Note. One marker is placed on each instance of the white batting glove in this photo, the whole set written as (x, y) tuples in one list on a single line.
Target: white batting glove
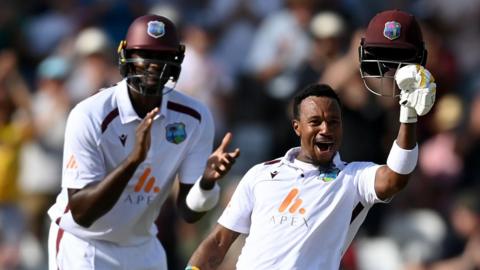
[(417, 94)]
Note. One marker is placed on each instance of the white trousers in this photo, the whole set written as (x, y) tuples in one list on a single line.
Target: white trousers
[(68, 252)]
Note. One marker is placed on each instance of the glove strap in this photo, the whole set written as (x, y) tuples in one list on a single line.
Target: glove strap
[(407, 115)]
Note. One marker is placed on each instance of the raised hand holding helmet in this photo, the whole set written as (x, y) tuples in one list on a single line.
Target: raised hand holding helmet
[(417, 94)]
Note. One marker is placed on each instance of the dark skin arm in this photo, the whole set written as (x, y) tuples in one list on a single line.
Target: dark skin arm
[(388, 182), (93, 201), (211, 252), (218, 165)]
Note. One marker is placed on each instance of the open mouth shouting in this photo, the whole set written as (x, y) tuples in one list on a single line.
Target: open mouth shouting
[(325, 146)]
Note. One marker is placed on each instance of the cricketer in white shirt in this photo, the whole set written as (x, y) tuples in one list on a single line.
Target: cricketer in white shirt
[(100, 134), (308, 216), (123, 149), (303, 210)]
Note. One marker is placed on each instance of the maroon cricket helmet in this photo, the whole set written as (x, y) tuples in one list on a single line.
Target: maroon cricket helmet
[(156, 34), (393, 29), (152, 32), (392, 39)]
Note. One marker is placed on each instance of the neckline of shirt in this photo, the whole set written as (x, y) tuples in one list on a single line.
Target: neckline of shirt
[(290, 159), (127, 112)]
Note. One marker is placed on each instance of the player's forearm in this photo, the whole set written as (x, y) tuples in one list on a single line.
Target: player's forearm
[(407, 137), (401, 161), (186, 213), (195, 200), (208, 256), (406, 140), (211, 252), (95, 200)]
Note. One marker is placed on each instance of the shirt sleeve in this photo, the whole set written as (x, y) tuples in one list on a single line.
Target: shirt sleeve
[(196, 158), (364, 181), (237, 214), (83, 160)]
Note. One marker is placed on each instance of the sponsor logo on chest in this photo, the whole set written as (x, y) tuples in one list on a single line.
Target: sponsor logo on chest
[(290, 212), (144, 190)]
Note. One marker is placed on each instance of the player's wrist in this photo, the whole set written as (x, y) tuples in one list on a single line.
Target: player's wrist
[(133, 160), (206, 184), (202, 200)]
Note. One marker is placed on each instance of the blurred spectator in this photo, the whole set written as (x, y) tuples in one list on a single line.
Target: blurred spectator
[(443, 64), (114, 16), (166, 10), (15, 129), (94, 66), (41, 158), (440, 60), (378, 253), (468, 145), (234, 23), (280, 46), (418, 233), (328, 30), (460, 22), (465, 220), (59, 21), (414, 237), (434, 188), (203, 78), (9, 20), (361, 11)]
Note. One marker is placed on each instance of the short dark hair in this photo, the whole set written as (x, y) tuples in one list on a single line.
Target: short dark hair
[(318, 90)]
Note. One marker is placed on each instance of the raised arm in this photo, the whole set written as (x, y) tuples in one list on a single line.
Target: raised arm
[(211, 252), (417, 98), (389, 182), (194, 201)]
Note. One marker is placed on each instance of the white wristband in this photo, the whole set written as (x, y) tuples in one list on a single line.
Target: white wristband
[(200, 200), (402, 161)]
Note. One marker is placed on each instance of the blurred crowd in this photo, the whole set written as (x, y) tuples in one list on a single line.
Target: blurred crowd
[(245, 59)]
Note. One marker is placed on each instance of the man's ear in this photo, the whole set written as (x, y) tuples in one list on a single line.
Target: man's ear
[(296, 126)]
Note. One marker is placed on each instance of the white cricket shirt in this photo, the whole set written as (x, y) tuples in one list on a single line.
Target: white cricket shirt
[(100, 134), (297, 217)]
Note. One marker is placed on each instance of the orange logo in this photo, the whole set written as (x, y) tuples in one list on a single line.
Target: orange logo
[(149, 185), (296, 204), (72, 163)]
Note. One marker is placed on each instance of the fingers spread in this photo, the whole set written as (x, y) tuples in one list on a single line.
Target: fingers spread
[(235, 154), (220, 162), (223, 165), (229, 158)]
